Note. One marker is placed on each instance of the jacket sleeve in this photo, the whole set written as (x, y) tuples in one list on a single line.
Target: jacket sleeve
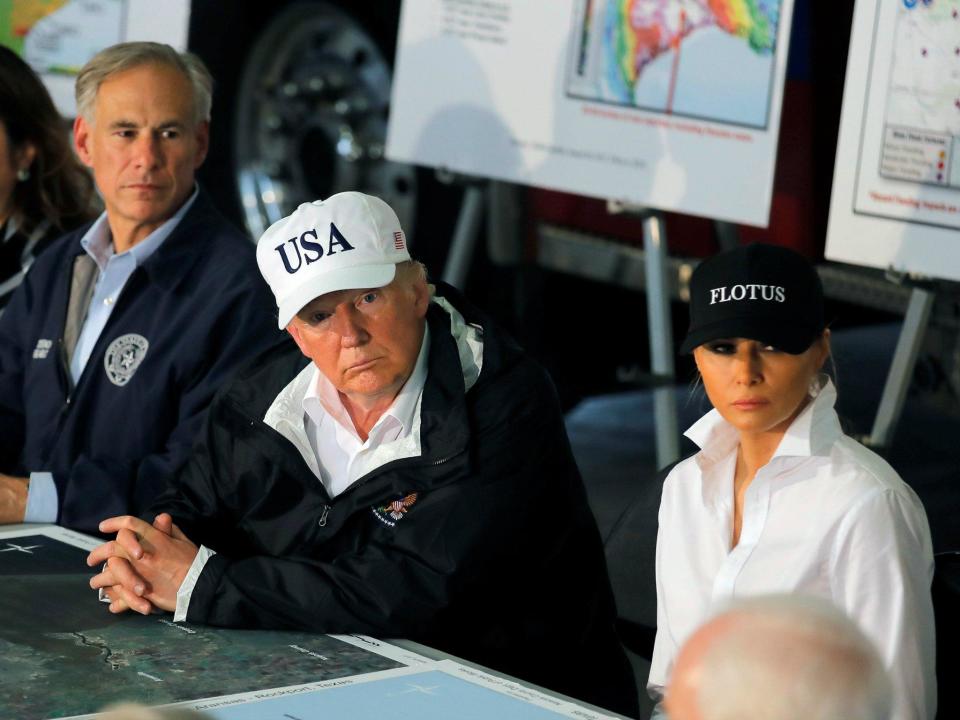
[(882, 568), (95, 488), (522, 483), (13, 357)]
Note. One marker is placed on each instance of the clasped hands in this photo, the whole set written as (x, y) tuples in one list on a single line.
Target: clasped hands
[(144, 566)]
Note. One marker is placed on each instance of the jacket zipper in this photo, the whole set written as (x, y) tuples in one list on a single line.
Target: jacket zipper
[(325, 514), (64, 367), (67, 381)]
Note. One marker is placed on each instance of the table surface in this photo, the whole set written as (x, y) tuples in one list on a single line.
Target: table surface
[(425, 651)]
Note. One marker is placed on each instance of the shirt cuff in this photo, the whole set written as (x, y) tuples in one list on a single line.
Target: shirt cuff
[(190, 581), (42, 499), (102, 592)]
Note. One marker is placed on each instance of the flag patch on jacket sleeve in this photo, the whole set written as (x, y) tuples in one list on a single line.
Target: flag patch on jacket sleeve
[(394, 511)]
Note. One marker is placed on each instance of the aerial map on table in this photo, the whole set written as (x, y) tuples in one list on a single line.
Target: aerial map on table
[(63, 654)]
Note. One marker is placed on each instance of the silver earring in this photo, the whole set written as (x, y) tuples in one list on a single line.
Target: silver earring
[(23, 174), (815, 386)]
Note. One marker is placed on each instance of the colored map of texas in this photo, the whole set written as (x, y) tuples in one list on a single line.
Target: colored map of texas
[(638, 31), (17, 18)]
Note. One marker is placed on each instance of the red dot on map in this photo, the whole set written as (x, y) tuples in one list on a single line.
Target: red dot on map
[(923, 52)]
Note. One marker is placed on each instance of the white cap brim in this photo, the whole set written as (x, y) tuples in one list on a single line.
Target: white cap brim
[(356, 278)]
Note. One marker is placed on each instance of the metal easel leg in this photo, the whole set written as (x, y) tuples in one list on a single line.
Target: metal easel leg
[(465, 236), (728, 236), (661, 338), (901, 369)]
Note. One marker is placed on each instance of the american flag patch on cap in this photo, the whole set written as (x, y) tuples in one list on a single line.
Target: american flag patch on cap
[(398, 240)]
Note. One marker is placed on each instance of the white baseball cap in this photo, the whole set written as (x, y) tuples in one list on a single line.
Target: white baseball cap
[(348, 241)]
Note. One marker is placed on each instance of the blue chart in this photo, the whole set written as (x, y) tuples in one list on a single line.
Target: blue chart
[(445, 690)]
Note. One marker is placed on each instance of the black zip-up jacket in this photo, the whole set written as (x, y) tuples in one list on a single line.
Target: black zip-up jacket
[(201, 309), (497, 559)]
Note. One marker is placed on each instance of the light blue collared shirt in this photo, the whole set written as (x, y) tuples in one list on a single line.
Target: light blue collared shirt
[(115, 270)]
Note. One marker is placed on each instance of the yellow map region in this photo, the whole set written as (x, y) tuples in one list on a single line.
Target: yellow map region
[(17, 18)]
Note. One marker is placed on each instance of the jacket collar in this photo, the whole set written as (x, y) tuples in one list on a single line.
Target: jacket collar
[(98, 243), (166, 267), (454, 366)]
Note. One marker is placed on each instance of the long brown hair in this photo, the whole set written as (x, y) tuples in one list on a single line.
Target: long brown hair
[(59, 188)]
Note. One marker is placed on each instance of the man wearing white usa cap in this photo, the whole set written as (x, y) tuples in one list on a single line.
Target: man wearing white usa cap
[(360, 319), (406, 473)]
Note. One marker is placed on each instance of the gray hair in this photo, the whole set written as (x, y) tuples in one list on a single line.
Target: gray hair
[(413, 272), (791, 657), (412, 269), (126, 56)]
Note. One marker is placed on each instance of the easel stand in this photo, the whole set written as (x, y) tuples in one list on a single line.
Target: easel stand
[(467, 231), (659, 327), (659, 330), (915, 323)]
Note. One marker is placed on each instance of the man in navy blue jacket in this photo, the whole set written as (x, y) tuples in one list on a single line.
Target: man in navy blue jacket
[(114, 345)]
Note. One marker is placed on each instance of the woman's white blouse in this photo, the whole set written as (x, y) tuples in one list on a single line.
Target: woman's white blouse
[(824, 517)]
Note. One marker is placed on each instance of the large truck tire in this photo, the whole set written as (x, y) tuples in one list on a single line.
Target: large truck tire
[(300, 112)]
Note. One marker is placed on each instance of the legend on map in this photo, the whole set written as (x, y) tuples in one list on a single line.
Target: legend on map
[(916, 155)]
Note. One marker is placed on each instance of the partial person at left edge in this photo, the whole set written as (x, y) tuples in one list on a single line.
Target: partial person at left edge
[(44, 190), (115, 343)]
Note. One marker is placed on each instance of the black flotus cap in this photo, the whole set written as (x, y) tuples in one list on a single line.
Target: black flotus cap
[(760, 292)]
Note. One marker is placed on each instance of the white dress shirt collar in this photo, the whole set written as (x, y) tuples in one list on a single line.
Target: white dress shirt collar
[(812, 432), (287, 414), (322, 399)]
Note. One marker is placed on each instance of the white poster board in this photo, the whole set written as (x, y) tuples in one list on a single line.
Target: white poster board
[(896, 186), (57, 37), (671, 104)]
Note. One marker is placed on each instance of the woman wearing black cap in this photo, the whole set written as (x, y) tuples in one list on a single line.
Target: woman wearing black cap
[(778, 498)]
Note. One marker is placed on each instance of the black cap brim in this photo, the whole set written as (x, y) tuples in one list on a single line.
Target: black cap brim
[(783, 335)]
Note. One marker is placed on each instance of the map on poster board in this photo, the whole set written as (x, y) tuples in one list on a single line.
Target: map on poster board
[(671, 104), (896, 190), (630, 53), (57, 37), (62, 654)]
